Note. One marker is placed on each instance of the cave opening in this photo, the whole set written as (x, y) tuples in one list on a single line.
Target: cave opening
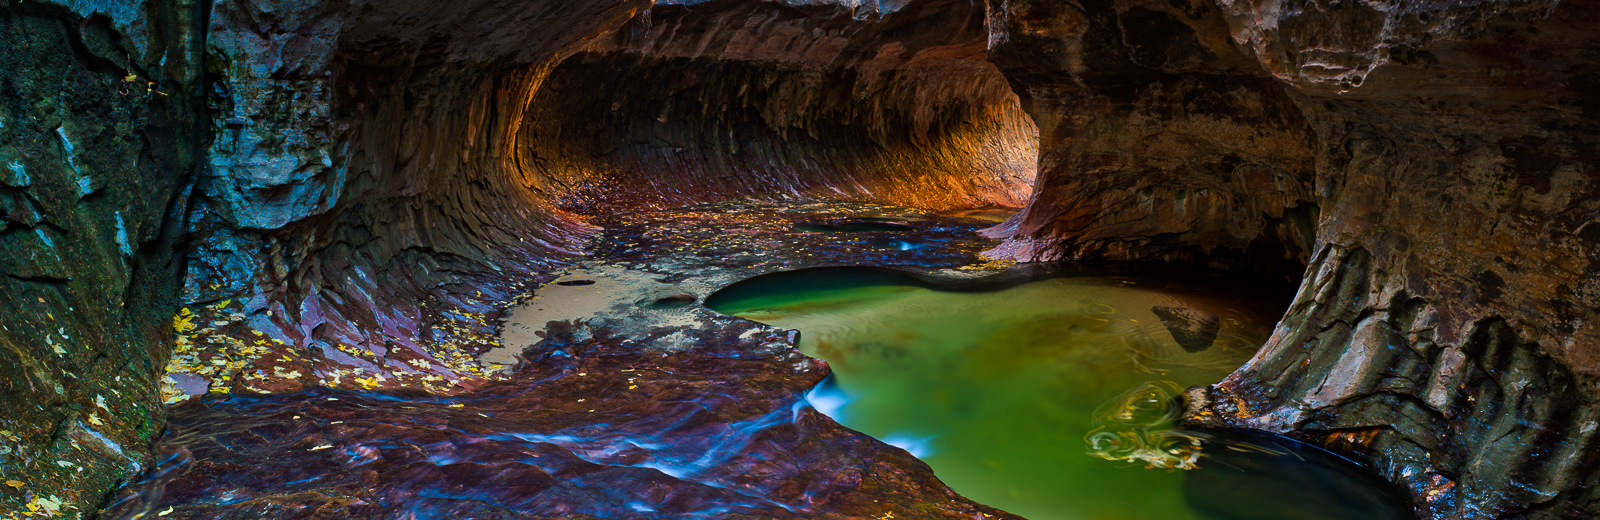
[(812, 104), (416, 259)]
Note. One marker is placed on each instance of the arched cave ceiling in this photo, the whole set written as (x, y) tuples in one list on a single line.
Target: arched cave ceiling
[(345, 172)]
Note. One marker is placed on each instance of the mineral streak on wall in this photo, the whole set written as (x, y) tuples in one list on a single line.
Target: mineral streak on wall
[(1433, 162)]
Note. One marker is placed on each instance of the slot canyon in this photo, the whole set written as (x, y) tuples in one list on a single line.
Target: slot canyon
[(496, 259)]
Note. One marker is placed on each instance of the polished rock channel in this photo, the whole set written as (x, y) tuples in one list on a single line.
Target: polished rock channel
[(619, 392)]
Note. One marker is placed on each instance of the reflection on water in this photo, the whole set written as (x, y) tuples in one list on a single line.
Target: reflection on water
[(1137, 426), (1020, 397), (990, 215), (868, 226)]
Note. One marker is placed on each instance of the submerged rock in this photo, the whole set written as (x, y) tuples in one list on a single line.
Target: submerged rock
[(1193, 329)]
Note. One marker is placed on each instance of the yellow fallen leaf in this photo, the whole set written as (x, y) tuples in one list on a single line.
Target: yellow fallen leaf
[(15, 483)]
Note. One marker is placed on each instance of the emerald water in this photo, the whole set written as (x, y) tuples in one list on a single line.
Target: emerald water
[(997, 390)]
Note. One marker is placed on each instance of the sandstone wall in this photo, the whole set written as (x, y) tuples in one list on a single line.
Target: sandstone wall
[(99, 117), (1440, 157), (386, 178), (365, 167), (761, 99), (363, 182), (1158, 139)]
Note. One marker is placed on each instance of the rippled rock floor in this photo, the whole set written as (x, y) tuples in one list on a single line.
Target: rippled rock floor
[(626, 408), (615, 392)]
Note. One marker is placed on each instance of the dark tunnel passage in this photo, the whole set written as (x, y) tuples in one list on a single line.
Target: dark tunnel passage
[(256, 256)]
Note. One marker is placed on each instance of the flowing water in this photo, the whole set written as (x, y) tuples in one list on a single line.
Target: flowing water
[(1049, 398)]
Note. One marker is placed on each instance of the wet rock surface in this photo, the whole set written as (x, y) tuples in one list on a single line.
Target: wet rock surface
[(377, 182), (1193, 329), (361, 206), (1431, 165), (607, 427), (628, 412), (99, 125)]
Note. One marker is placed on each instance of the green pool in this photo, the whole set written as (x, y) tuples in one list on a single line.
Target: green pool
[(1019, 396)]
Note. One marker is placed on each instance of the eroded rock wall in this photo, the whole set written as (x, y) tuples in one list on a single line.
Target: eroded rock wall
[(1458, 148), (1158, 138), (386, 178), (1437, 161), (365, 169), (380, 172), (765, 99), (381, 185), (355, 172), (99, 120)]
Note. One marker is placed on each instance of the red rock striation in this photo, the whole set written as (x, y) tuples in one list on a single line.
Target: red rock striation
[(636, 412), (605, 427), (374, 159), (762, 99)]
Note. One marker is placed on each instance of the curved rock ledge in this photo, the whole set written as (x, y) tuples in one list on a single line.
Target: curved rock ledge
[(732, 99), (1430, 163)]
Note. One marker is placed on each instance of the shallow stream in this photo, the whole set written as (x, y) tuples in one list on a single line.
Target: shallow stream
[(1041, 389), (1049, 398)]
